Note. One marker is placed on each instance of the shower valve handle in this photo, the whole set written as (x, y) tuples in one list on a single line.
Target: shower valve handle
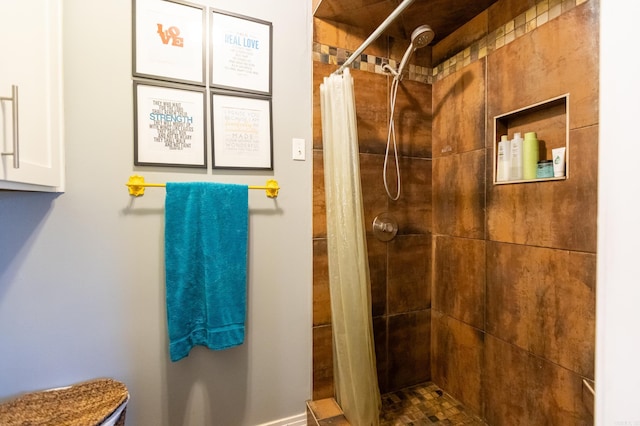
[(385, 227)]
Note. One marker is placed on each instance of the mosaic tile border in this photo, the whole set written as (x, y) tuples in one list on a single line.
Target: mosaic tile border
[(536, 16), (337, 56)]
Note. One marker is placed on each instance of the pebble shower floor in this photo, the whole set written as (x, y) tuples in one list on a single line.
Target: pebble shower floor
[(423, 405)]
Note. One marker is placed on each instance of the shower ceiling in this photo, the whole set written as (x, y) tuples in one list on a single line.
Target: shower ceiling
[(444, 16)]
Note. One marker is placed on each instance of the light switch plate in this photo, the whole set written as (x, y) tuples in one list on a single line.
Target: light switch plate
[(298, 149)]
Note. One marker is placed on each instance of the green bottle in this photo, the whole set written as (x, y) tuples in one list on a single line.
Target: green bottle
[(530, 156)]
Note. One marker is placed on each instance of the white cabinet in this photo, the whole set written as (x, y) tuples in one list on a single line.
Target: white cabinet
[(31, 60)]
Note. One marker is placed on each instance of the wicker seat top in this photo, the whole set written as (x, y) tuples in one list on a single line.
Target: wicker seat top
[(83, 404)]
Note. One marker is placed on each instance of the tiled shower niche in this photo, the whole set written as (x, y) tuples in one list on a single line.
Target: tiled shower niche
[(549, 119)]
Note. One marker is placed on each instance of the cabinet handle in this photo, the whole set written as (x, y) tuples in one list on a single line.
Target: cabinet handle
[(16, 138)]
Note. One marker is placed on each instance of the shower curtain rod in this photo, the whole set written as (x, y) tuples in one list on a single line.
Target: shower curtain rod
[(374, 35)]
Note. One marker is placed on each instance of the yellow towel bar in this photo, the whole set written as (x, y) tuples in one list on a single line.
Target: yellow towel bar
[(136, 185)]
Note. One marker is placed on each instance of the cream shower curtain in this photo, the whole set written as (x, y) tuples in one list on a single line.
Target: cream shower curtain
[(354, 355)]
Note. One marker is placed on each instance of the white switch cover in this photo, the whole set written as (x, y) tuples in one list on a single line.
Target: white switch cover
[(298, 150)]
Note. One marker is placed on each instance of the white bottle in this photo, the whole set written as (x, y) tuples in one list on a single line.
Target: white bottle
[(504, 159), (516, 157)]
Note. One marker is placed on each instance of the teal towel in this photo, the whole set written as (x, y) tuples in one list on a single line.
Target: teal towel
[(206, 226)]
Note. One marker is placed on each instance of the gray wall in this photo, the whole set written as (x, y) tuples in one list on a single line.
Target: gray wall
[(82, 273)]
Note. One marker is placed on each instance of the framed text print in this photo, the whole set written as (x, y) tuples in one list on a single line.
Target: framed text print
[(169, 125), (241, 134), (169, 41), (240, 53)]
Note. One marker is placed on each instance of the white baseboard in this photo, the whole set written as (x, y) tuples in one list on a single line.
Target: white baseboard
[(299, 420)]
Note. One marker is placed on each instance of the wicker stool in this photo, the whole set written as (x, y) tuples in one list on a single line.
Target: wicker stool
[(93, 403)]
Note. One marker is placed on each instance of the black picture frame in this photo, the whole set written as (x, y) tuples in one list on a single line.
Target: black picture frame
[(170, 127), (169, 41), (241, 53), (241, 131)]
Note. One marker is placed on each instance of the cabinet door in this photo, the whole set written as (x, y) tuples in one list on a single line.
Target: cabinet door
[(31, 57)]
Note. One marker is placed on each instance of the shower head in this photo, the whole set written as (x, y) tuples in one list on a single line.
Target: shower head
[(420, 37)]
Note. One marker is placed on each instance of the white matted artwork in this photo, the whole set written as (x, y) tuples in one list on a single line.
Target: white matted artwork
[(169, 125), (169, 41), (241, 133), (240, 53)]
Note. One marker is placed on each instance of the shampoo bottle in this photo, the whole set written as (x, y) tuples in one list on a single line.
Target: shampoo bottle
[(504, 159), (516, 157), (530, 155)]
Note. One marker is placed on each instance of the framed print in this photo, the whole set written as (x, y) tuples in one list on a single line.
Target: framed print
[(169, 40), (169, 125), (241, 134), (240, 53)]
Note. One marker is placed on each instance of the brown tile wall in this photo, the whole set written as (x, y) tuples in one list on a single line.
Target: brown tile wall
[(513, 321), (400, 269), (508, 324)]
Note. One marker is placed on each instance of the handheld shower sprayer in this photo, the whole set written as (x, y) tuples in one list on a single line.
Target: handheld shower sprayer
[(420, 37)]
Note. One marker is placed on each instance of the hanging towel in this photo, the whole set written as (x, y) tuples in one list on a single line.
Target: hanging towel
[(205, 265)]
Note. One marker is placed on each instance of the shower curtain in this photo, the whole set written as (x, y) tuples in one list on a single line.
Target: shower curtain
[(355, 377)]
